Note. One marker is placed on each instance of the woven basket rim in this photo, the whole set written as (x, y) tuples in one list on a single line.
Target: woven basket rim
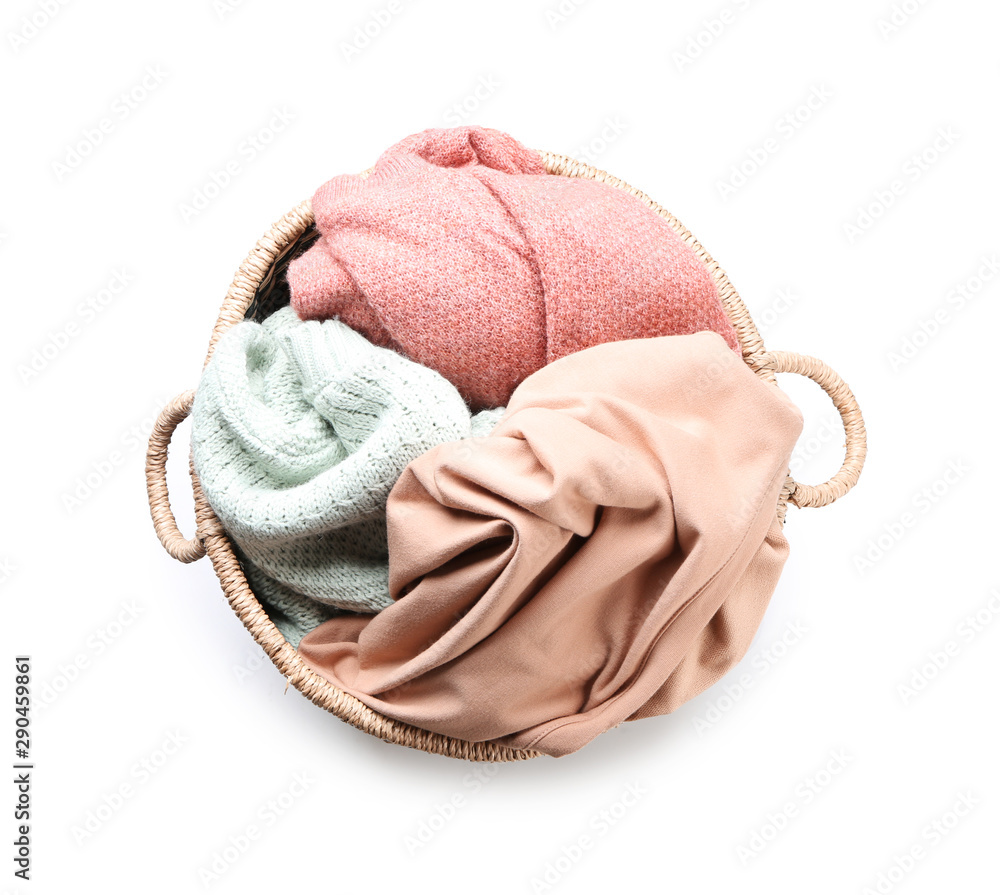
[(275, 243)]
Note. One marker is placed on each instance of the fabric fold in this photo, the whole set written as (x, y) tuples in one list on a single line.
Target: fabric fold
[(300, 431), (460, 251), (605, 554)]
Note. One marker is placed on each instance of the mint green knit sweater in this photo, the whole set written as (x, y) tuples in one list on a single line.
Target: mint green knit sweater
[(300, 430)]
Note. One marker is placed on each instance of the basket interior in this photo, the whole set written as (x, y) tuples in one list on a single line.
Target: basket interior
[(273, 292), (261, 288)]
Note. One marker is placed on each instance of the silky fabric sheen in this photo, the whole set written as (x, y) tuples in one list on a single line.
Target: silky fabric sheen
[(605, 554)]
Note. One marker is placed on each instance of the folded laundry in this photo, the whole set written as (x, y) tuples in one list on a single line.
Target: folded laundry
[(604, 555), (463, 253), (300, 430)]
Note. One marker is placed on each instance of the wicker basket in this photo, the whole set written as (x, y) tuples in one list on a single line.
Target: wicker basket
[(260, 288)]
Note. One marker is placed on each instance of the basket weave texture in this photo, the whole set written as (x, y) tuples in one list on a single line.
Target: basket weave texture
[(259, 288)]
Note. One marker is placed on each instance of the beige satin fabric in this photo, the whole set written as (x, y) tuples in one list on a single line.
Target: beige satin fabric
[(604, 555)]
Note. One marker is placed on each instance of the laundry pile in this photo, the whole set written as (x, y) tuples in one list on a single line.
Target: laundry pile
[(499, 470)]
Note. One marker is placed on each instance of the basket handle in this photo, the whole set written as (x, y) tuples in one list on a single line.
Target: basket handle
[(854, 427), (179, 547)]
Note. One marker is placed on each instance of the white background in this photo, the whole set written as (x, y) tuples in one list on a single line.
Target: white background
[(619, 85)]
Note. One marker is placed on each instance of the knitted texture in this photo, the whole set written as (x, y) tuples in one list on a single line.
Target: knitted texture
[(460, 251), (300, 430)]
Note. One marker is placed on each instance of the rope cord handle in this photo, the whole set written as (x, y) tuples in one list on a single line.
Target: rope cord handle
[(179, 547), (854, 427), (802, 495)]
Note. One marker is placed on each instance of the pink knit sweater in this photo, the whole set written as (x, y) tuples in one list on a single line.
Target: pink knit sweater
[(462, 253)]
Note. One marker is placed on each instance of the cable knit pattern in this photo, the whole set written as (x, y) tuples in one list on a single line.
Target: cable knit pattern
[(300, 430), (460, 251)]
